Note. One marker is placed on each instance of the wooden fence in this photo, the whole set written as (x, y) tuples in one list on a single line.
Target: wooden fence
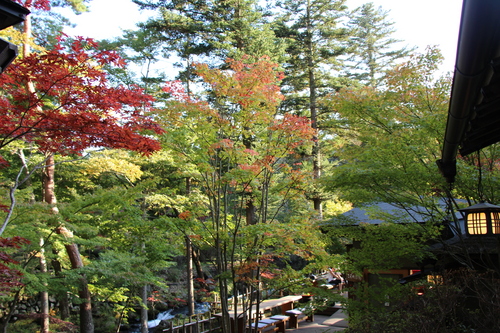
[(201, 323), (205, 322)]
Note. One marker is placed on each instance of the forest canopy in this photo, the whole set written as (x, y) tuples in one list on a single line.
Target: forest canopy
[(128, 187)]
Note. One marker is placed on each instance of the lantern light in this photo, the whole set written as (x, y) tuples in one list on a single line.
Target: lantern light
[(482, 219)]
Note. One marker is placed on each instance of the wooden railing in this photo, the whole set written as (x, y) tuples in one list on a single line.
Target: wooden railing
[(231, 302), (202, 323)]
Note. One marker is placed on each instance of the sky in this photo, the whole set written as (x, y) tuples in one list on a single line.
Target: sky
[(417, 23)]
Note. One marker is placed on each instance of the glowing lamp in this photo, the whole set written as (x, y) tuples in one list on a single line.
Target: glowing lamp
[(482, 219)]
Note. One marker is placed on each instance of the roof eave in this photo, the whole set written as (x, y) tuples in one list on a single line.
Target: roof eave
[(478, 45)]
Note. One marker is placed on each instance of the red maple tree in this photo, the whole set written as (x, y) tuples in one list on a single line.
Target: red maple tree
[(62, 101), (71, 105), (9, 277), (37, 4)]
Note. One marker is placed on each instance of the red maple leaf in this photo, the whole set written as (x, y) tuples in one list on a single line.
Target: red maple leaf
[(9, 276), (62, 101), (37, 4)]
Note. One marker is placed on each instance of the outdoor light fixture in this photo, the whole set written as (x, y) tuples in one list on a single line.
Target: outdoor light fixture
[(482, 219)]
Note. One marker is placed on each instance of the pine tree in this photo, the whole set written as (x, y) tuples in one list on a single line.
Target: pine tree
[(213, 29), (373, 49), (315, 43)]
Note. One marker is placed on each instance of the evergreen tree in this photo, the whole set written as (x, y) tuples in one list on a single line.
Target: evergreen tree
[(143, 50), (373, 49), (315, 43), (213, 30)]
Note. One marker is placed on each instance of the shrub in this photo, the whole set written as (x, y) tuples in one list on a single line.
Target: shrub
[(465, 301)]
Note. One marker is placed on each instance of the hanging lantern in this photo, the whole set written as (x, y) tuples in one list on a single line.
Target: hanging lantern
[(482, 219)]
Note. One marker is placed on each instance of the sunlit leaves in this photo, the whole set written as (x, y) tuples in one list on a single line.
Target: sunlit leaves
[(246, 155), (70, 106), (252, 86), (111, 162), (395, 134)]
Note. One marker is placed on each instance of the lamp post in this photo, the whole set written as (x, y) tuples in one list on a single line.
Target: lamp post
[(482, 219)]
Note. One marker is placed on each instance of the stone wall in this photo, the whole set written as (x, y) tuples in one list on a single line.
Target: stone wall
[(32, 305)]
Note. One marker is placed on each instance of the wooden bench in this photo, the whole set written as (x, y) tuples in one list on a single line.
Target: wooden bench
[(283, 318), (271, 324), (297, 316)]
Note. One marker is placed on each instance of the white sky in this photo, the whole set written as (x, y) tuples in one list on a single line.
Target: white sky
[(423, 23), (418, 23)]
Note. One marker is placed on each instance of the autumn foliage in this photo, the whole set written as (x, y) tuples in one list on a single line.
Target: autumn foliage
[(37, 4), (9, 277), (247, 154), (62, 101)]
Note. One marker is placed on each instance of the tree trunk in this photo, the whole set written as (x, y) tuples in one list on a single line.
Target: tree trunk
[(49, 197), (190, 286), (44, 295), (144, 298), (197, 263), (249, 201), (63, 297), (49, 185), (250, 211), (189, 259), (144, 309), (86, 320), (317, 201), (27, 32), (223, 289)]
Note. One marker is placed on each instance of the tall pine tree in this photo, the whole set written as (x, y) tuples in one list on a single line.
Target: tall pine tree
[(213, 30), (373, 49), (315, 43)]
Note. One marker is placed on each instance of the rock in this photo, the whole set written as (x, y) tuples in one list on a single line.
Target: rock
[(161, 306)]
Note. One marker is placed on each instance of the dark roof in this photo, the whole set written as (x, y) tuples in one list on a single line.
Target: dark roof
[(11, 13), (474, 109), (366, 214), (381, 212)]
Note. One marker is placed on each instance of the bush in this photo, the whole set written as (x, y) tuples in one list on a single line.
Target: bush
[(465, 301), (31, 323)]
